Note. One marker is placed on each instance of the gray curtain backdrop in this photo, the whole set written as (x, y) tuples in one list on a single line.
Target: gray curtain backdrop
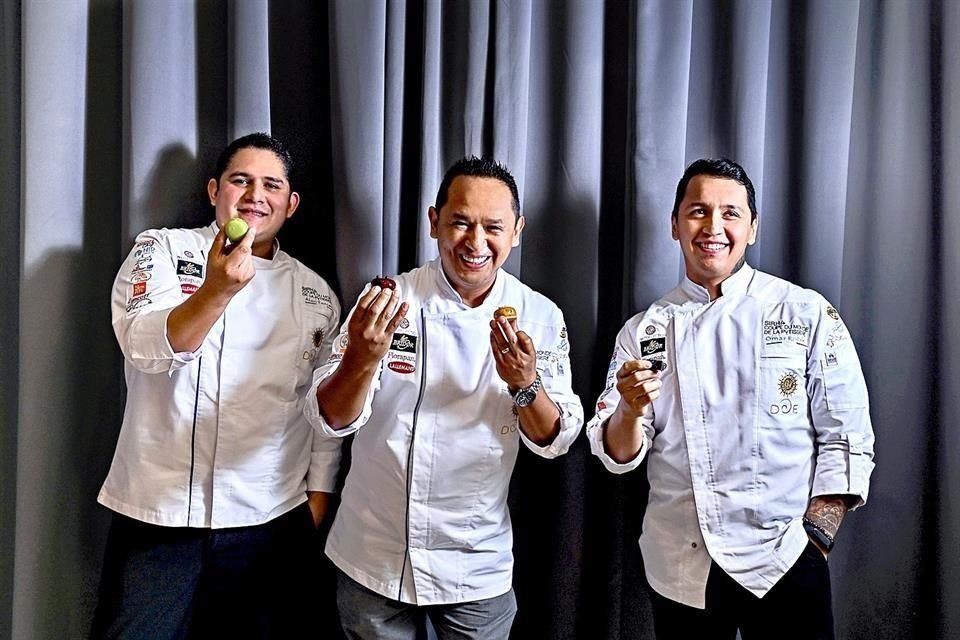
[(844, 112)]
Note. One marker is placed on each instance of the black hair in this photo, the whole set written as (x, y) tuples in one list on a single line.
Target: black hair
[(257, 141), (475, 167), (718, 168)]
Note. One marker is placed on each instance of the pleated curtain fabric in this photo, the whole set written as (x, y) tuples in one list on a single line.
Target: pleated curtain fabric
[(845, 113)]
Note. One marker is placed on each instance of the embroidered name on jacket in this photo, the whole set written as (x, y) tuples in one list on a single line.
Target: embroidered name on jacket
[(312, 296), (780, 331)]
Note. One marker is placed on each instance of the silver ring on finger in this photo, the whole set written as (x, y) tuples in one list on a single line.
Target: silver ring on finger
[(504, 351)]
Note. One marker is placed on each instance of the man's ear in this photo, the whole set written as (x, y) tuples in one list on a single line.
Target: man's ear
[(213, 188), (434, 216), (673, 228), (521, 223), (753, 231), (293, 203)]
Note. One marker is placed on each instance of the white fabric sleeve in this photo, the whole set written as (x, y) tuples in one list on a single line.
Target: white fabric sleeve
[(625, 349), (325, 453), (554, 369), (311, 408), (145, 291), (839, 410)]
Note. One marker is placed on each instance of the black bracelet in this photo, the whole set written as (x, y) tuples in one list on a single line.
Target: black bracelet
[(817, 526), (818, 533)]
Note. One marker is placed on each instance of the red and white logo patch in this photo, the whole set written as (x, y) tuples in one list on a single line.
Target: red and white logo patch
[(401, 367)]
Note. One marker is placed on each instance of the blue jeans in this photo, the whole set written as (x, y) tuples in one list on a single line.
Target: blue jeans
[(366, 615), (180, 582)]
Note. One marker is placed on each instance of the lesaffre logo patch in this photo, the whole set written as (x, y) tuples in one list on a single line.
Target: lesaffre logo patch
[(187, 268), (404, 342), (652, 346)]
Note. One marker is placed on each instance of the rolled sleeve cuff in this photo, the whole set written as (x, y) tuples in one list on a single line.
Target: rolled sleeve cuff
[(595, 437), (843, 468), (150, 348), (571, 420), (311, 410)]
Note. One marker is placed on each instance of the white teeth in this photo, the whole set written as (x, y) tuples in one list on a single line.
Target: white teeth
[(713, 246), (475, 260)]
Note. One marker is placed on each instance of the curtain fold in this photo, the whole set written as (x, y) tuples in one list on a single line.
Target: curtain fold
[(891, 280), (10, 115), (161, 119), (357, 57), (248, 49), (945, 22), (48, 565), (844, 113)]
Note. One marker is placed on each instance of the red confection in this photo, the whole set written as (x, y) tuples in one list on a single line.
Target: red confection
[(383, 282)]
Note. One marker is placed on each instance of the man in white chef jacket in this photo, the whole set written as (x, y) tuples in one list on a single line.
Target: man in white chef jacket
[(744, 393), (218, 480), (440, 395)]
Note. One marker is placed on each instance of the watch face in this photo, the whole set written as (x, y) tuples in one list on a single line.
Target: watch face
[(525, 397)]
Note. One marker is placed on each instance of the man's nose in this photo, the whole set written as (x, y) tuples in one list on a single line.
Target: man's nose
[(714, 224), (255, 191), (476, 237)]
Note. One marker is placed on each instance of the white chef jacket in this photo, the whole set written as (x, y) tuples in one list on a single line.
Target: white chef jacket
[(763, 406), (424, 516), (216, 438)]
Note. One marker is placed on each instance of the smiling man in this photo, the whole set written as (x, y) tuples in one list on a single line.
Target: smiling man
[(440, 393), (745, 394), (218, 481)]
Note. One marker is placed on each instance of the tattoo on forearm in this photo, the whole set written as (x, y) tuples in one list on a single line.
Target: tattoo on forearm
[(827, 512)]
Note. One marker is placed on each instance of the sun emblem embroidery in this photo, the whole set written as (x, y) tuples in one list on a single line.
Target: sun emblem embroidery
[(788, 385), (318, 337)]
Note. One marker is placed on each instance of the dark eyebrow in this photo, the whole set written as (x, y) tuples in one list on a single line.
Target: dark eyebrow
[(244, 174), (693, 205), (461, 217)]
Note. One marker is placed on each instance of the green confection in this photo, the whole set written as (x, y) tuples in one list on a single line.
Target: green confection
[(236, 229)]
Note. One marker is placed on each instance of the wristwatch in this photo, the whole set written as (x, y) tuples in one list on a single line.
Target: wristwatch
[(818, 534), (525, 397)]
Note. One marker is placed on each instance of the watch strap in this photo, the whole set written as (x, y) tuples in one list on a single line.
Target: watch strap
[(531, 390), (818, 533)]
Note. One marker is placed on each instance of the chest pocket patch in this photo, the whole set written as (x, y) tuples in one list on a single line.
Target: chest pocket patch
[(783, 382)]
